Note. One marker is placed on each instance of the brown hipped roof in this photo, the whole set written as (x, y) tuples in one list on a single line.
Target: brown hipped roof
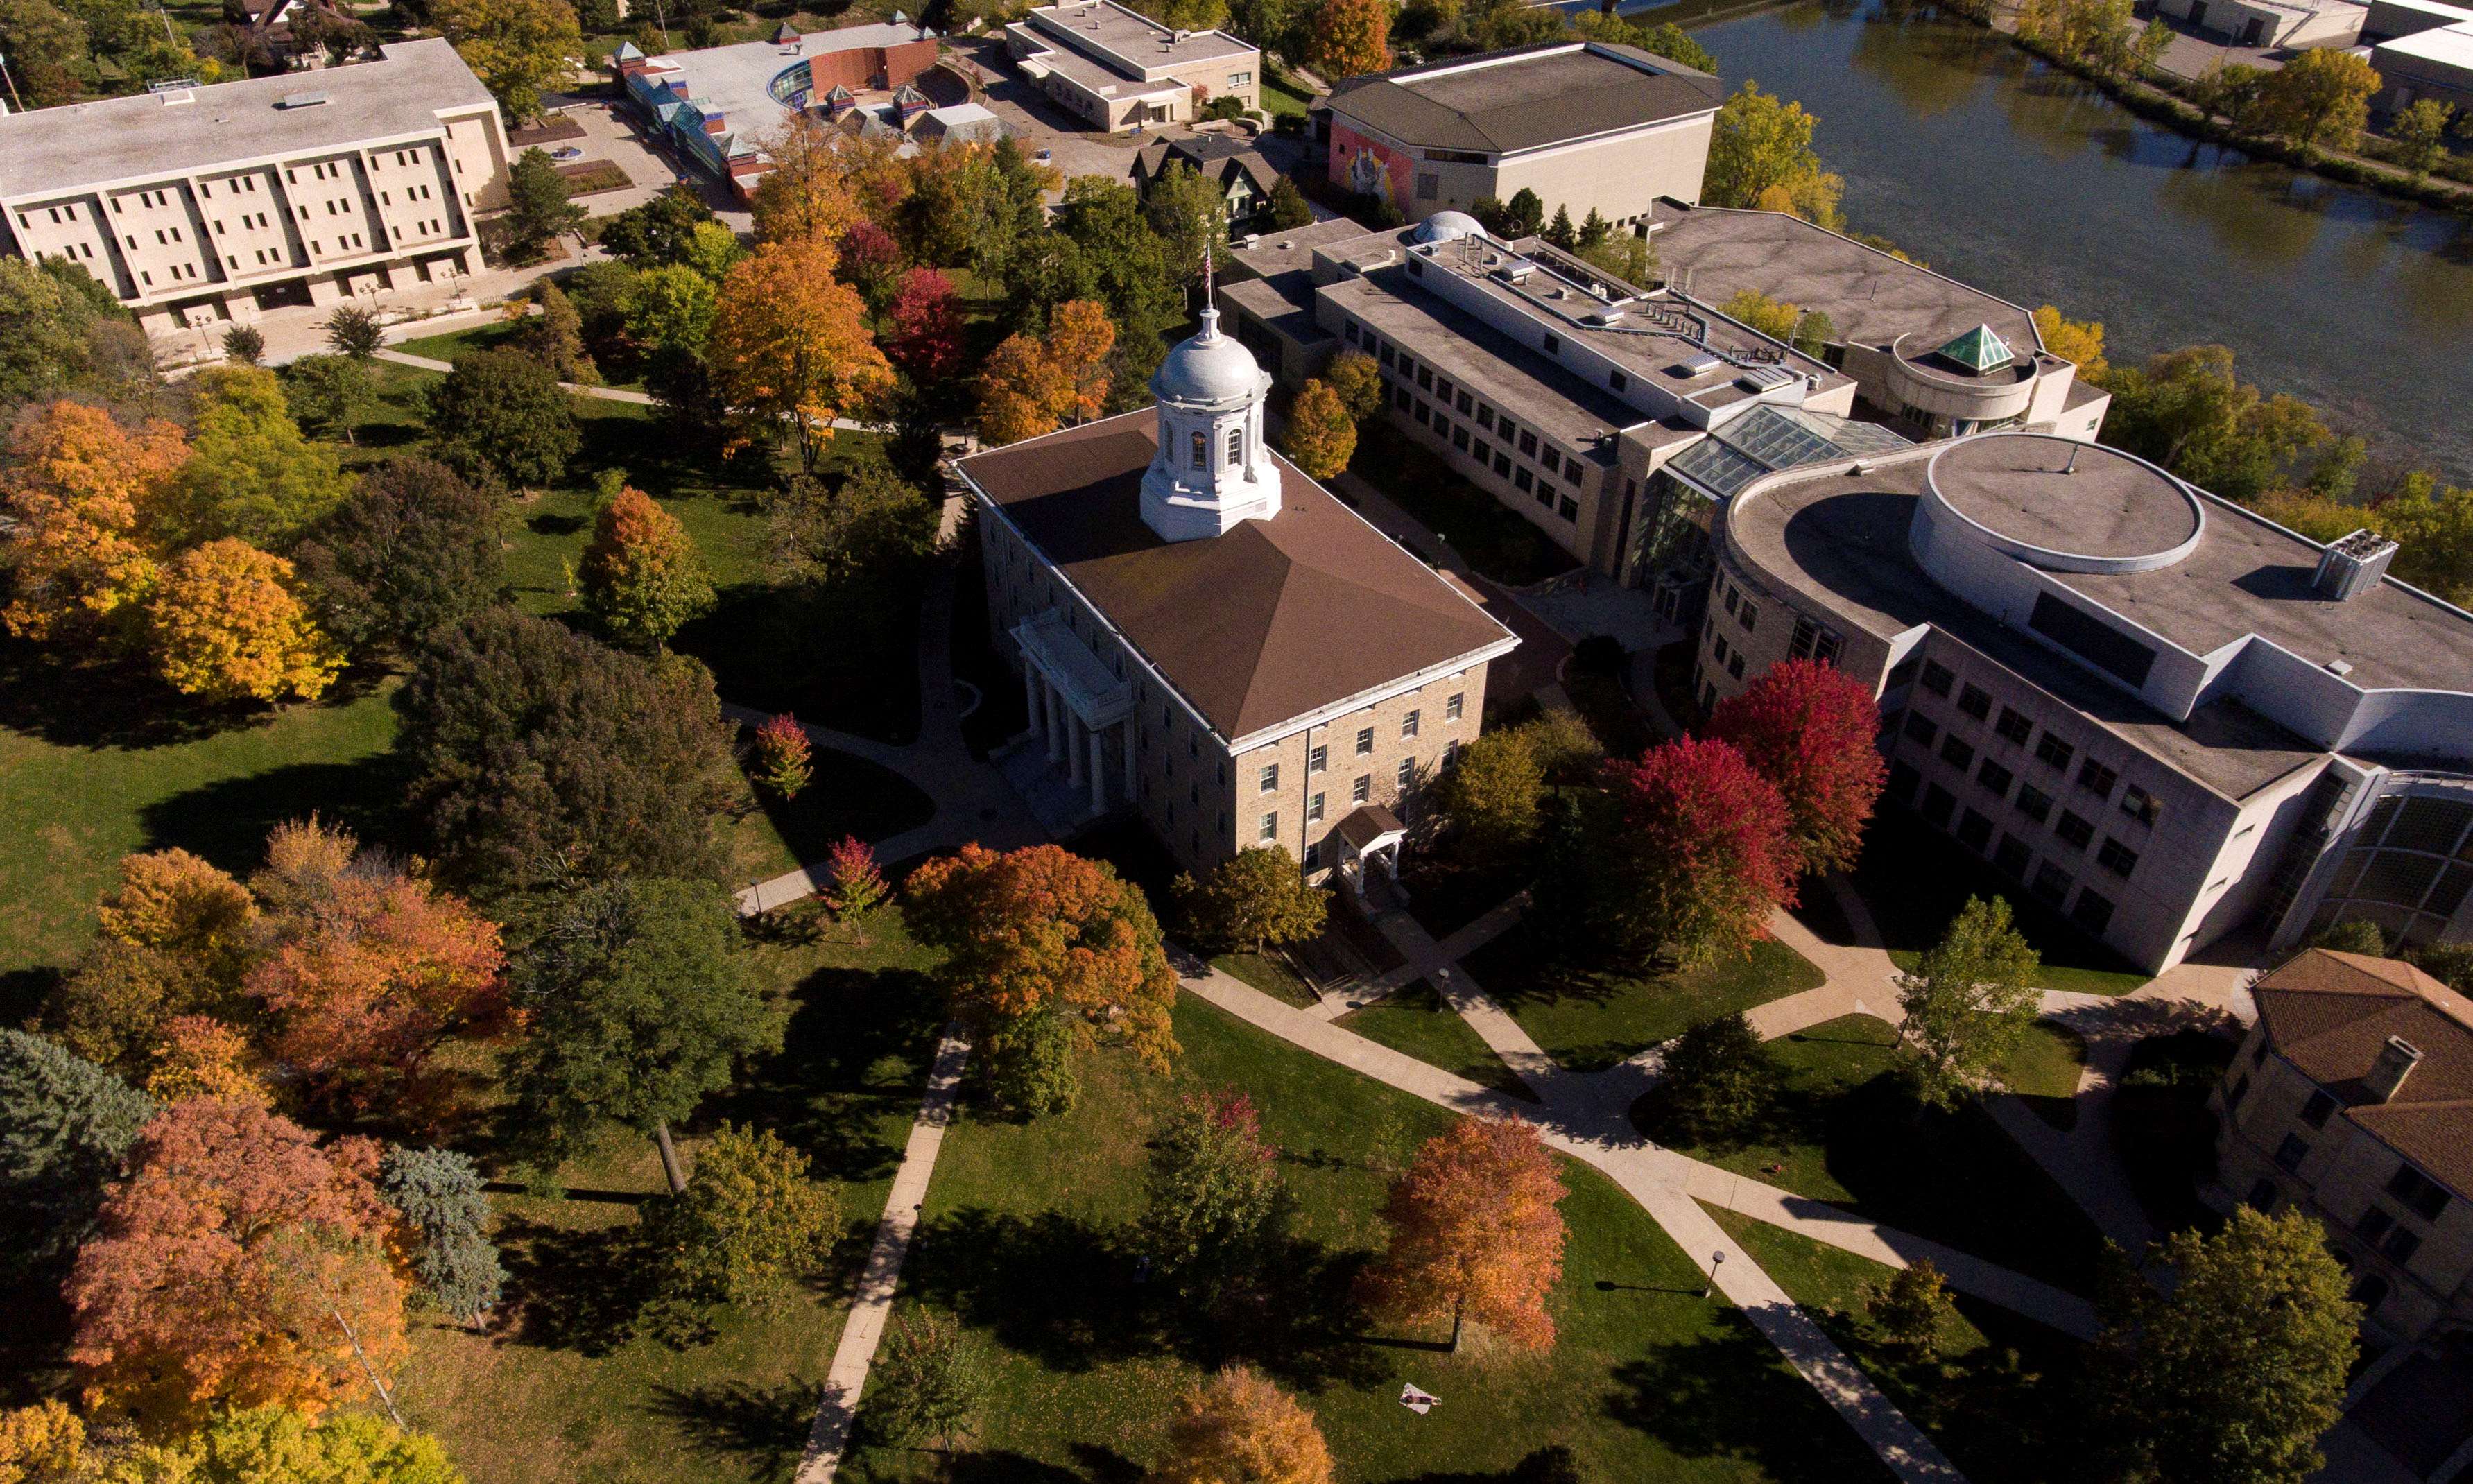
[(1273, 620), (2329, 1014)]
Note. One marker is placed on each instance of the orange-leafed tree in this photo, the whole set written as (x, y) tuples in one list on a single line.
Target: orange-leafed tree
[(1808, 728), (1042, 928), (175, 938), (1022, 393), (790, 343), (1320, 437), (176, 902), (198, 1056), (1239, 1428), (239, 1264), (224, 624), (372, 970), (642, 578), (83, 496), (1080, 337), (810, 194), (1475, 1233), (1350, 38)]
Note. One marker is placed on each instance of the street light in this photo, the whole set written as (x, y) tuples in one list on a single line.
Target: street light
[(1717, 1261)]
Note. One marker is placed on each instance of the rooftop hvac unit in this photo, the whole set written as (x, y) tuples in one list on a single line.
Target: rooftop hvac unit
[(2353, 564), (291, 101)]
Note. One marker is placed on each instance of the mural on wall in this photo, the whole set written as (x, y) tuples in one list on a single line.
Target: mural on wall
[(1368, 167)]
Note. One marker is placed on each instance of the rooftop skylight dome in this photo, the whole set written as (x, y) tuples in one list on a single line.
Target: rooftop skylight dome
[(1449, 226), (1979, 350)]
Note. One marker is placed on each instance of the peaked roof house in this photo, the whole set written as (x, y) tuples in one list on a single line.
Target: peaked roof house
[(1245, 178)]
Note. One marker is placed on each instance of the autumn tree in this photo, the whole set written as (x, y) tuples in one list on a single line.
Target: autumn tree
[(2078, 342), (928, 1382), (2431, 523), (412, 549), (520, 48), (925, 327), (503, 412), (542, 759), (751, 1226), (1703, 854), (1218, 1206), (1320, 437), (642, 577), (1350, 38), (1719, 1080), (238, 1264), (641, 1003), (785, 758), (372, 969), (854, 886), (85, 500), (1358, 382), (2321, 96), (2229, 1371), (1475, 1233), (1237, 1425), (1808, 728), (811, 194), (1760, 156), (554, 336), (1254, 897), (1081, 338), (1039, 927), (790, 344), (1968, 1003), (1104, 250), (437, 1194), (1029, 387), (1909, 1305), (198, 1056), (225, 622), (174, 937), (66, 1127), (43, 1444), (286, 1444)]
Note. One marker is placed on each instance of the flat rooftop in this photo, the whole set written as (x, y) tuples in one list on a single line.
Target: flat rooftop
[(1106, 28), (1527, 98), (2059, 496), (1869, 295), (2450, 46), (1278, 251), (737, 80), (1842, 539), (143, 137)]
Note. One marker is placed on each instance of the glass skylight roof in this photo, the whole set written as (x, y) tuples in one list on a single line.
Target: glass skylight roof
[(1768, 439)]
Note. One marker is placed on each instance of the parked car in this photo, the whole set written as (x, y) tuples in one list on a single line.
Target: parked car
[(566, 152)]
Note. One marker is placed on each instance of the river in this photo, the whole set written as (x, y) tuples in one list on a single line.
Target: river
[(1978, 158)]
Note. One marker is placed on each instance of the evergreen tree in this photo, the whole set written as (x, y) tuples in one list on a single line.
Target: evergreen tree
[(503, 412), (1720, 1081), (66, 1127), (412, 549), (438, 1193)]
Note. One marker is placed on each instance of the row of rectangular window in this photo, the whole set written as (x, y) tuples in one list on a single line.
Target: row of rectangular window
[(2034, 802), (2015, 727), (2051, 882)]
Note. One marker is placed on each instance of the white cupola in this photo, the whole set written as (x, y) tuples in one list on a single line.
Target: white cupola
[(1213, 469)]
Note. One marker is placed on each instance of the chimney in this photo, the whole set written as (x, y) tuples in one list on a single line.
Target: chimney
[(2396, 1061), (2352, 564)]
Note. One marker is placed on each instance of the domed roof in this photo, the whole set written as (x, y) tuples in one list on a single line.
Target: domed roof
[(1211, 367), (1448, 226)]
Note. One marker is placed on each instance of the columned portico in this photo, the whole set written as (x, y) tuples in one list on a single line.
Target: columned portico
[(1075, 700)]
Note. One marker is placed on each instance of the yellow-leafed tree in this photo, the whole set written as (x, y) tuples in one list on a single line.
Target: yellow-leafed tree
[(84, 495), (1239, 1428), (790, 343), (226, 625), (1320, 437)]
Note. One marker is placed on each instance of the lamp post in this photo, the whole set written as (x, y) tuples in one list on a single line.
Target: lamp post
[(1717, 1261)]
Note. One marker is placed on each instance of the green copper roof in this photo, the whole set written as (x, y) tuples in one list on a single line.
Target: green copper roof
[(1978, 350)]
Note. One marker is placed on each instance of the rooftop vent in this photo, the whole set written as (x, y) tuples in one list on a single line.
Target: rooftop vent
[(301, 100), (173, 86), (2352, 565), (1699, 364), (2340, 667), (1604, 317), (2385, 1077), (1516, 271)]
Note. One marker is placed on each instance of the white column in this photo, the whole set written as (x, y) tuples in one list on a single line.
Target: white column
[(1055, 720), (1098, 770), (1073, 747), (1133, 788), (1036, 702)]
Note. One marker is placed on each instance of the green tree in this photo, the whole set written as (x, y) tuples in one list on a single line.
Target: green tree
[(58, 337), (2228, 1372), (517, 47), (1625, 257), (1559, 232), (670, 308), (1911, 1306), (2420, 130), (244, 345), (66, 1127), (543, 760), (1968, 1001), (537, 207), (2321, 96), (333, 393), (352, 330), (1491, 795), (47, 50), (1665, 40), (1190, 212), (1289, 209), (2187, 411), (413, 548), (1720, 1081), (1218, 1208), (1761, 143), (250, 473), (876, 523), (661, 231), (642, 1003), (1525, 214), (555, 336), (1117, 258), (928, 1383), (2232, 90), (503, 412), (1358, 381), (1319, 437), (2360, 935), (1255, 897), (752, 1225), (438, 1193), (642, 577), (1032, 1063)]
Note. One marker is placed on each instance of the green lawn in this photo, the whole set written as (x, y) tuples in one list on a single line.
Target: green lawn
[(559, 1391), (1588, 1019), (1271, 975), (1280, 97), (1416, 1020), (1027, 1236), (1996, 1394), (453, 344), (1914, 878), (847, 796), (2045, 1070), (1492, 539), (1846, 1132)]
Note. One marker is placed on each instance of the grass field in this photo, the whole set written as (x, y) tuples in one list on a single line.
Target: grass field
[(1590, 1019), (1846, 1132), (1269, 974), (1996, 1392), (1914, 878), (1416, 1020), (1027, 1236)]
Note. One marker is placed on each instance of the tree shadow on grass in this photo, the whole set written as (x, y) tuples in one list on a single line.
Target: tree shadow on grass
[(1728, 1396), (580, 1291), (227, 821), (857, 1048), (764, 1427), (46, 695)]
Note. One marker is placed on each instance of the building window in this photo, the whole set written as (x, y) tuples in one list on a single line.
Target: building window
[(1994, 778), (1569, 509), (1364, 740), (1937, 804), (2290, 1153), (1408, 725), (2401, 1245), (1317, 757), (1956, 752), (1313, 856), (2262, 1196), (2139, 805), (2034, 803), (2054, 752), (2240, 1090), (1920, 728), (1408, 774), (1749, 614), (1974, 831), (1553, 343), (1938, 677), (1481, 450), (2421, 1195), (1553, 461), (2013, 727), (2012, 856), (1428, 186), (1270, 778), (1313, 811), (1450, 754), (1201, 451), (1235, 445), (1903, 779), (2051, 883), (1502, 464), (1363, 789), (2116, 857), (1974, 702), (2315, 1113), (2093, 912), (1485, 416), (1454, 707), (2097, 779), (1271, 825), (1618, 381), (2073, 829)]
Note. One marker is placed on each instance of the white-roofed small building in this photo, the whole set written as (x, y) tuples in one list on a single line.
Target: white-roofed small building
[(2437, 62), (198, 205), (1118, 69)]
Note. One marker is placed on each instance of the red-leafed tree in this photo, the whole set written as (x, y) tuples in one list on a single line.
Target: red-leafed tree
[(1808, 728), (785, 761), (1702, 855), (1039, 927), (238, 1264), (925, 327), (853, 885), (870, 259), (1475, 1233)]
